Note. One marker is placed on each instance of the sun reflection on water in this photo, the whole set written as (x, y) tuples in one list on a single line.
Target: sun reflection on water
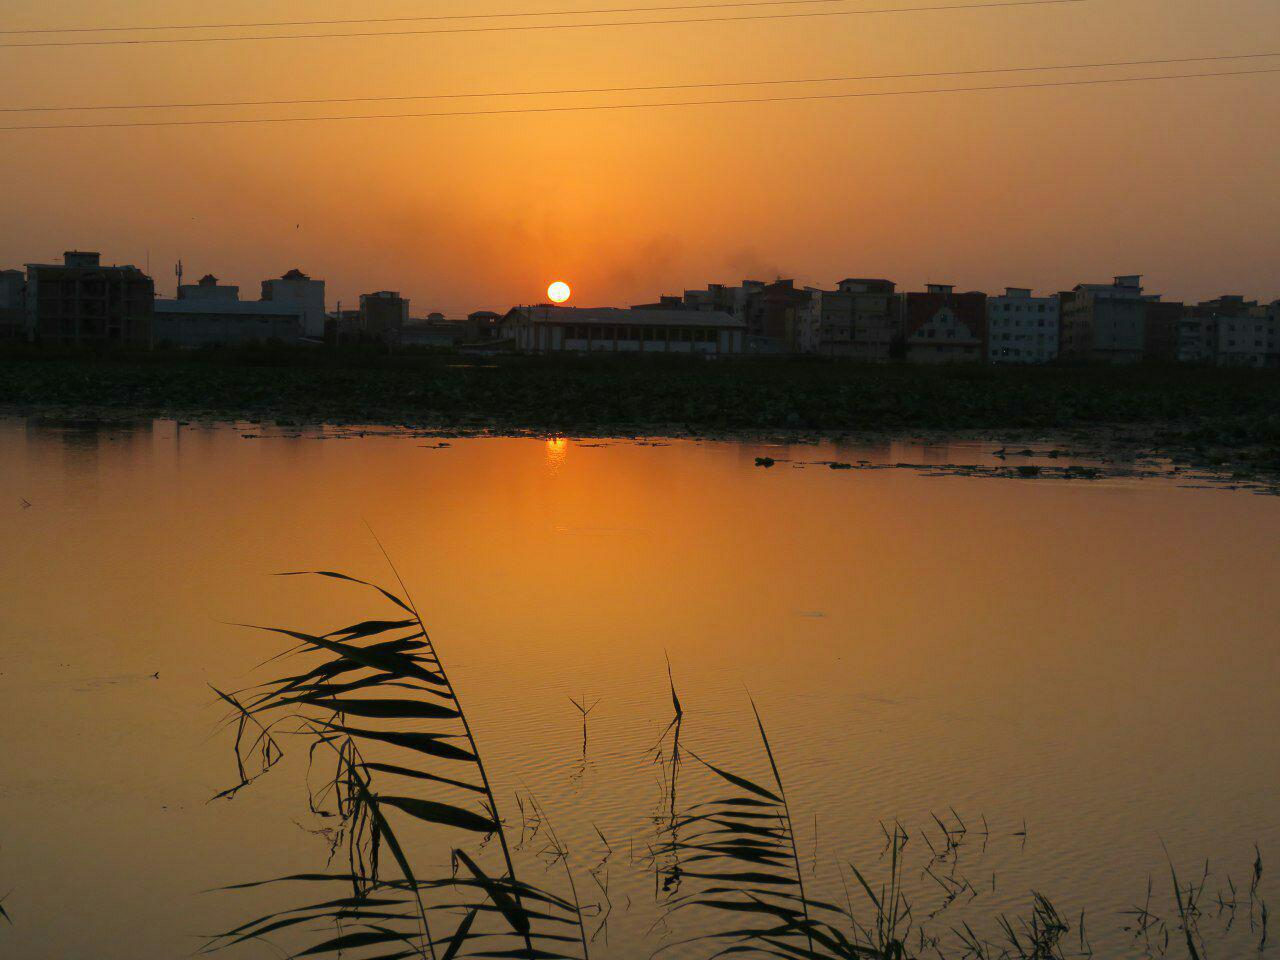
[(557, 448)]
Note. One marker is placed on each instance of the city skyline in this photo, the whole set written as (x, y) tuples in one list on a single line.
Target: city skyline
[(1041, 187)]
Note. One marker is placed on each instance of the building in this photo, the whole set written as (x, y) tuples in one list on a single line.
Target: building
[(342, 326), (547, 329), (1160, 330), (1246, 334), (437, 330), (210, 312), (1198, 335), (383, 315), (942, 326), (716, 298), (826, 323), (770, 311), (859, 319), (719, 298), (877, 318), (209, 289), (772, 315), (1022, 328), (486, 324), (80, 300), (12, 316), (295, 287), (1105, 321)]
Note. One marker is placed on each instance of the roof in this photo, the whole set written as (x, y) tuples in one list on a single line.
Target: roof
[(96, 268), (619, 316)]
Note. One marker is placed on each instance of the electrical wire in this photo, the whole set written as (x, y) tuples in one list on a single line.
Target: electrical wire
[(506, 111), (140, 28), (527, 27), (1166, 61)]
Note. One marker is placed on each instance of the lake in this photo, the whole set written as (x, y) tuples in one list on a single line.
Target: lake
[(1070, 674)]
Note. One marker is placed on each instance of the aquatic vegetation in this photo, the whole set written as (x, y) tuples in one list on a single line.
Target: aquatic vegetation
[(374, 707), (361, 704), (739, 853), (738, 856), (1185, 407)]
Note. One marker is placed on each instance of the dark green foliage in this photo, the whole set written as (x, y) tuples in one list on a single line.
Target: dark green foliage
[(1192, 406)]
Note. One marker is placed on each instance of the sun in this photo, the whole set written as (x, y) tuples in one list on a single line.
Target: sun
[(559, 292)]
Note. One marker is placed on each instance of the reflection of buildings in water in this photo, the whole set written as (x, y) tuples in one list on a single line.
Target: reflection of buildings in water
[(557, 449), (82, 442), (934, 454), (915, 451), (878, 452)]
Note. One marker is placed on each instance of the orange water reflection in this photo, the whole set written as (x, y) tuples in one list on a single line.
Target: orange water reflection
[(1014, 649)]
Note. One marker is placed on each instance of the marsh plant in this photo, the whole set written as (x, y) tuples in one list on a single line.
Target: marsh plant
[(374, 708), (394, 766)]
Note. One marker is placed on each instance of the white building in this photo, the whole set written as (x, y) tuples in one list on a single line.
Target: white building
[(1251, 340), (1106, 321), (730, 300), (547, 329), (858, 319), (296, 287), (1022, 328), (209, 312)]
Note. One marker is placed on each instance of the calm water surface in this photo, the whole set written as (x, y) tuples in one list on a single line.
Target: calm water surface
[(1095, 663)]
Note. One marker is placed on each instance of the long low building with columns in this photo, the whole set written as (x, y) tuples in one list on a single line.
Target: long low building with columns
[(548, 329)]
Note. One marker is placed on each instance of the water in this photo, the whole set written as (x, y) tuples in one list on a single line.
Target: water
[(1093, 662)]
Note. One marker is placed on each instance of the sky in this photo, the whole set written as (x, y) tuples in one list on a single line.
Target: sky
[(1036, 187)]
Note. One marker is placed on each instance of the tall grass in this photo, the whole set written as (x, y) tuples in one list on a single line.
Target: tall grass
[(375, 707), (377, 713)]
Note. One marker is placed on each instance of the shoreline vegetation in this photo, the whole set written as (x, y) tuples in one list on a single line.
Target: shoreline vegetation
[(398, 773), (1224, 419)]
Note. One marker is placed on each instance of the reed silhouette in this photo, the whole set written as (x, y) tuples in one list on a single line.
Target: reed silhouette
[(360, 704), (377, 713)]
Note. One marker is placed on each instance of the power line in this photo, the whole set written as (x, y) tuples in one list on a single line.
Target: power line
[(525, 27), (644, 106), (646, 89), (139, 28)]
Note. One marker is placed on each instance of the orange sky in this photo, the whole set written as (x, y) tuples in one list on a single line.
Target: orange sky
[(1036, 187)]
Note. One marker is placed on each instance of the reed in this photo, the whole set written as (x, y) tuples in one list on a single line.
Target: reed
[(375, 701), (379, 715)]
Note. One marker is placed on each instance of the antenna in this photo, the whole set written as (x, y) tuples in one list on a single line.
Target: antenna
[(177, 271)]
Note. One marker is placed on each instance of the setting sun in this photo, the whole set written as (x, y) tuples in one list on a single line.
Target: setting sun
[(559, 292)]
